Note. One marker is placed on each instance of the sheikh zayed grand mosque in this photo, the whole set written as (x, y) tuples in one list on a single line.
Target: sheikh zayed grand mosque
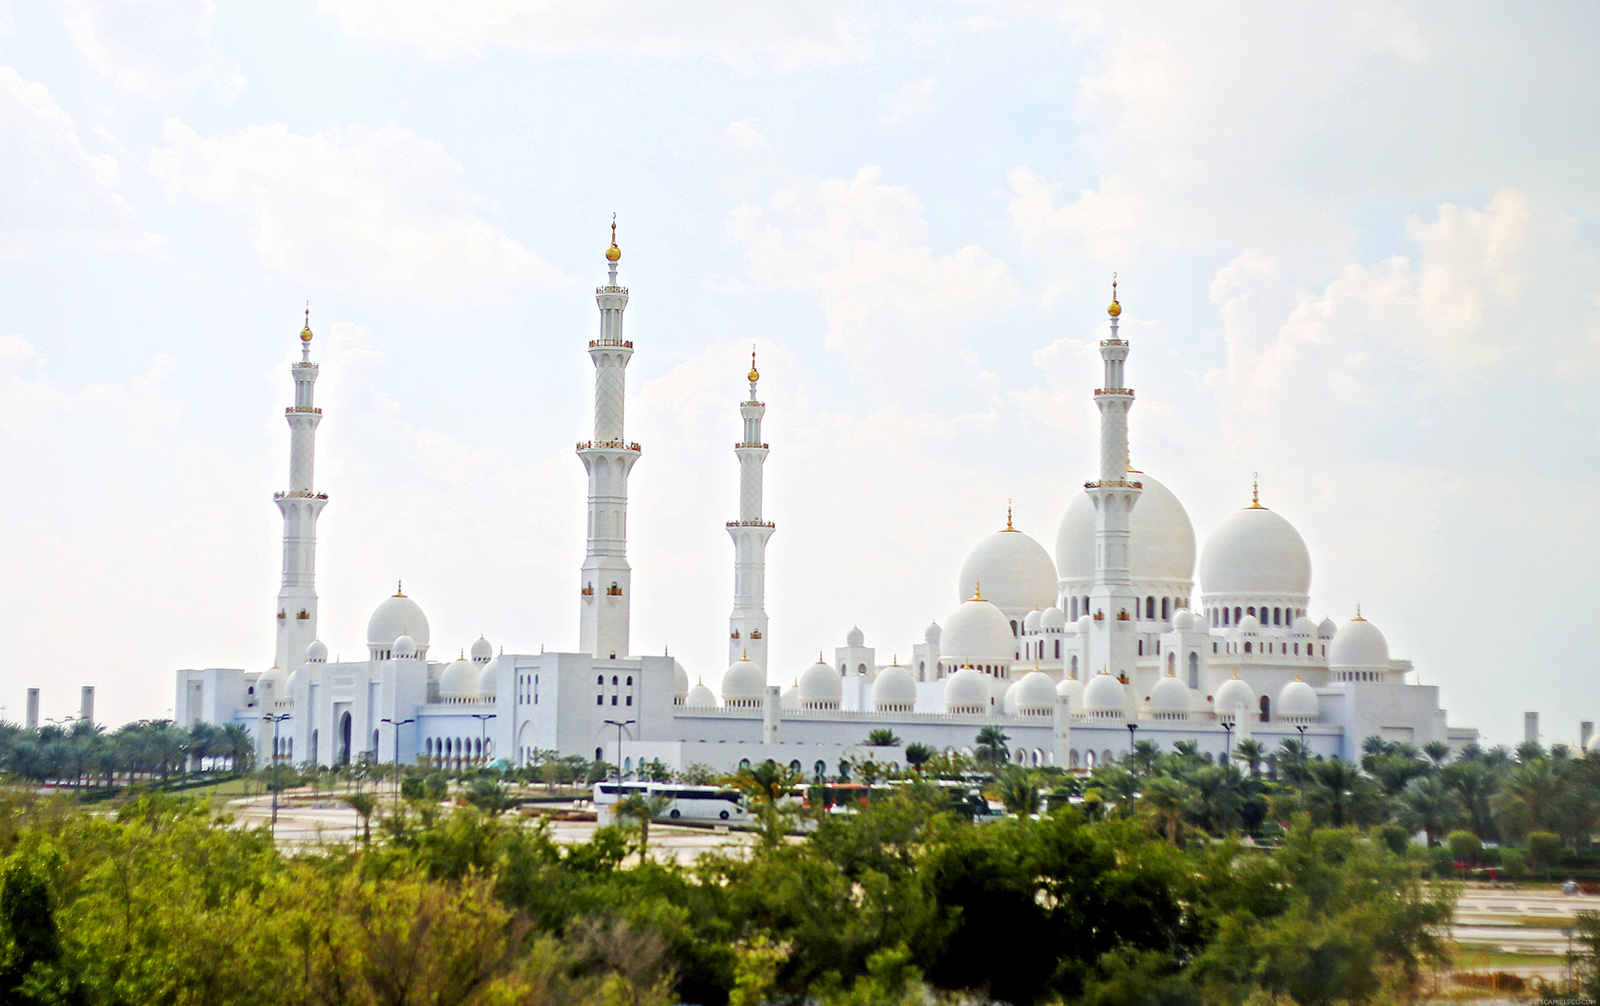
[(1073, 657)]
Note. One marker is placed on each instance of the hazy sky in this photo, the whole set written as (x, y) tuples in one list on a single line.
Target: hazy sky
[(1356, 244)]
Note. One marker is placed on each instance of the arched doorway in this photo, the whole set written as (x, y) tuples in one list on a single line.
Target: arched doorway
[(344, 738)]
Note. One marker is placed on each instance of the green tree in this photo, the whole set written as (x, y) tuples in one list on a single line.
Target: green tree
[(1429, 805), (991, 748), (919, 754), (1017, 791), (363, 803), (1529, 799), (882, 737), (1169, 800), (642, 808), (1252, 752)]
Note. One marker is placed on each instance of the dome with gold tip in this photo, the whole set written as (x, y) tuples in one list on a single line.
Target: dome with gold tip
[(754, 375), (613, 253), (1114, 309), (305, 333)]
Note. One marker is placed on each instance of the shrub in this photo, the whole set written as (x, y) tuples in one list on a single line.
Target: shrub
[(1490, 856), (411, 788), (1440, 862), (1513, 863), (1393, 836), (436, 785), (1464, 845), (1543, 847)]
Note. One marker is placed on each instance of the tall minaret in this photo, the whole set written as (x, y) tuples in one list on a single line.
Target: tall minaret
[(300, 506), (747, 626), (606, 590), (1112, 640)]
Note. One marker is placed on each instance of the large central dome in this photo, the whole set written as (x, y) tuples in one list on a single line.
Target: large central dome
[(1163, 538), (1011, 570), (1255, 552)]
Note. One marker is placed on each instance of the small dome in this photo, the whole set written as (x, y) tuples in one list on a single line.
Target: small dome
[(1298, 700), (680, 680), (744, 682), (459, 680), (1250, 625), (397, 616), (894, 689), (1235, 699), (1008, 699), (489, 678), (1030, 621), (1163, 538), (1358, 643), (481, 651), (1104, 696), (1170, 697), (820, 687), (1036, 694), (1327, 629), (291, 683), (1010, 569), (855, 637), (1255, 551), (978, 633), (931, 634), (272, 682), (1071, 689), (1084, 621), (1304, 626), (404, 646), (700, 697), (1184, 620), (966, 691), (1053, 618), (790, 699), (317, 652)]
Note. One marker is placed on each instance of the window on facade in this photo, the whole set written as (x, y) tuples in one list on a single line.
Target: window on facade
[(1150, 608), (1165, 613), (599, 700), (1058, 649), (613, 700), (1247, 647), (630, 700), (630, 681), (600, 680)]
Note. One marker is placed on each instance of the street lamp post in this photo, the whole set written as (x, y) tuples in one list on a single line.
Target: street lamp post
[(1132, 728), (275, 718), (483, 728), (396, 725), (1227, 780), (1303, 760), (619, 724)]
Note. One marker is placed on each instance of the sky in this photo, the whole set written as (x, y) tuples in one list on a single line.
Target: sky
[(1355, 242)]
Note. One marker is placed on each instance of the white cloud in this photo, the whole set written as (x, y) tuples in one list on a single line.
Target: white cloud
[(53, 191), (750, 37), (744, 136), (153, 48), (861, 247), (375, 213), (912, 99)]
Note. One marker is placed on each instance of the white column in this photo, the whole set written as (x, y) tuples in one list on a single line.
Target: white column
[(301, 505), (1112, 640), (747, 625), (606, 588)]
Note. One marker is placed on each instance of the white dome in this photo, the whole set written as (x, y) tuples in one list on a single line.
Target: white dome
[(489, 678), (404, 646), (932, 633), (1235, 692), (966, 691), (1183, 621), (1084, 622), (1030, 621), (1008, 699), (397, 616), (1358, 643), (790, 699), (855, 637), (1053, 618), (894, 689), (1250, 625), (1012, 570), (1304, 626), (272, 682), (1298, 700), (1327, 629), (317, 652), (290, 683), (820, 687), (1104, 696), (1257, 552), (744, 681), (1035, 693), (481, 651), (1170, 697), (978, 633), (1163, 537), (680, 680), (700, 697), (459, 680), (1071, 689)]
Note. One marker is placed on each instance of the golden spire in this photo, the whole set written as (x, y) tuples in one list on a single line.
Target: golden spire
[(755, 375), (1358, 612), (746, 654), (399, 589), (1115, 309), (613, 253), (1255, 492), (305, 333), (977, 593), (1008, 516)]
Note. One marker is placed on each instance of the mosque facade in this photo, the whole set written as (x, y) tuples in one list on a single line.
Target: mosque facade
[(1074, 656)]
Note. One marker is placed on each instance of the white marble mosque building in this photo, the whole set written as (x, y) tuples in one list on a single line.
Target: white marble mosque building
[(1073, 657)]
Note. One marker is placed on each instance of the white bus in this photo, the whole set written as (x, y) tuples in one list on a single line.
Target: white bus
[(681, 802)]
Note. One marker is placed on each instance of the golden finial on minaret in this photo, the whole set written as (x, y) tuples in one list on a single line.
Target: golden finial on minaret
[(977, 593), (613, 253), (1115, 309), (305, 333), (1008, 516), (399, 588), (1255, 491), (746, 654), (754, 375)]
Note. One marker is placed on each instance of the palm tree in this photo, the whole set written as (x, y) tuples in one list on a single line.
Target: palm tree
[(1189, 751), (919, 754), (1169, 799), (1430, 806), (1293, 756), (1017, 791), (1340, 794), (1438, 752), (1529, 799), (1144, 757), (768, 784), (882, 737), (991, 746), (1475, 781), (237, 746), (363, 803), (1252, 752), (642, 808), (1113, 782)]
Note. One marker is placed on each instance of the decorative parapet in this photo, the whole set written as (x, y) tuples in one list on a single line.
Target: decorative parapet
[(302, 494), (302, 408), (610, 343), (751, 523), (1113, 484), (608, 445), (762, 446)]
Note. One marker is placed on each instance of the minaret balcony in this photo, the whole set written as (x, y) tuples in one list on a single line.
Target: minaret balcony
[(762, 446), (1113, 484), (751, 523), (608, 445), (1113, 391), (618, 343), (1113, 342), (301, 408), (304, 494)]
